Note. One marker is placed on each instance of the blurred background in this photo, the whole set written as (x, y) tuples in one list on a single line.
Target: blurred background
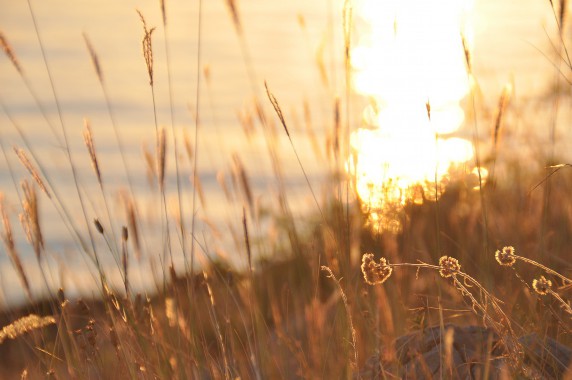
[(297, 47)]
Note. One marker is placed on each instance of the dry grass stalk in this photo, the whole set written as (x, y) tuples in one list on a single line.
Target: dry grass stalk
[(337, 128), (25, 325), (449, 268), (10, 53), (170, 311), (347, 16), (147, 47), (163, 12), (188, 146), (114, 339), (449, 338), (62, 297), (246, 122), (31, 169), (94, 57), (98, 225), (353, 342), (161, 157), (565, 305), (562, 15), (151, 166), (125, 261), (8, 236), (217, 325), (30, 219), (242, 177), (132, 224), (198, 185), (262, 116), (10, 244), (542, 286), (277, 108), (247, 239), (221, 179), (88, 140), (235, 16), (503, 101), (310, 131), (320, 62), (467, 51), (507, 257)]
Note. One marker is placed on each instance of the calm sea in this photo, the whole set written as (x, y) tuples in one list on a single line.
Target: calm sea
[(295, 46)]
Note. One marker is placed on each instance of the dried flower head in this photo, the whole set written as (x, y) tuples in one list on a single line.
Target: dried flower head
[(375, 273), (541, 285), (506, 256), (448, 266)]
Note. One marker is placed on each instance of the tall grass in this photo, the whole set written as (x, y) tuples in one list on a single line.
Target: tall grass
[(485, 296)]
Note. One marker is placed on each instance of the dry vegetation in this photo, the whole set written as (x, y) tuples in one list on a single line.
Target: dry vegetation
[(475, 285)]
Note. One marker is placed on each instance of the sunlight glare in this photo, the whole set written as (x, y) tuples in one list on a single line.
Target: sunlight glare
[(409, 60)]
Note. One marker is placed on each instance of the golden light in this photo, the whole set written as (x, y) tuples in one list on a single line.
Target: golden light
[(410, 61)]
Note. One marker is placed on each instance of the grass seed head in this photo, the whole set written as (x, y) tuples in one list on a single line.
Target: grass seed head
[(94, 58), (132, 223), (147, 47), (98, 225), (30, 218), (31, 169), (88, 140), (24, 325), (10, 52), (10, 244), (235, 15)]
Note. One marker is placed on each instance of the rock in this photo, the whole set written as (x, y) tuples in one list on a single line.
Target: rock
[(469, 352)]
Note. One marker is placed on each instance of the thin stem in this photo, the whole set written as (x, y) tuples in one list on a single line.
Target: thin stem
[(197, 125), (66, 144), (175, 147), (564, 279)]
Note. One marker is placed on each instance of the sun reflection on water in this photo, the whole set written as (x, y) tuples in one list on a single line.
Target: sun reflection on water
[(409, 60)]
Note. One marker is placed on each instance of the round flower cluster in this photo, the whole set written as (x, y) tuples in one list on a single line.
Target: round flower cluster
[(506, 256), (541, 285), (448, 266), (375, 273)]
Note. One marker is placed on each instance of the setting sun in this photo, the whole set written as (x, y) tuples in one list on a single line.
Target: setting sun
[(409, 60)]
